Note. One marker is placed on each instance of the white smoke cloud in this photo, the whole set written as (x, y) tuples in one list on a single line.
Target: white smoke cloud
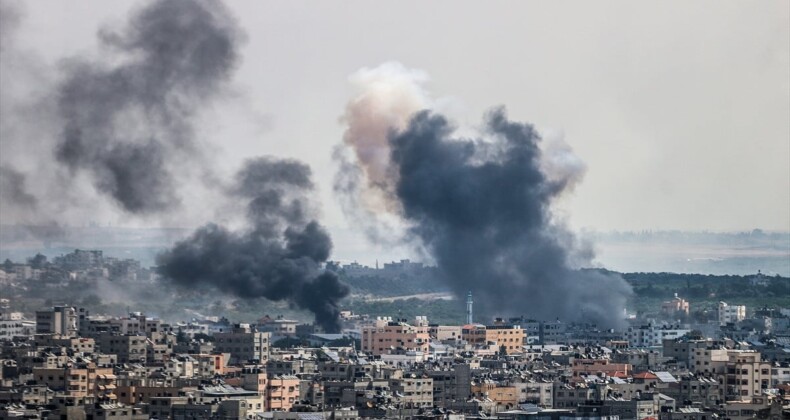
[(386, 98)]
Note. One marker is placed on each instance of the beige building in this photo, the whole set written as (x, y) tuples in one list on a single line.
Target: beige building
[(445, 332), (76, 345), (386, 336), (675, 307), (744, 375), (509, 337), (505, 396), (282, 393), (78, 382), (415, 392)]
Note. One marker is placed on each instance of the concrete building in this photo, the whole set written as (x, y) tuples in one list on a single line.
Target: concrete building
[(282, 392), (507, 337), (731, 314), (278, 327), (744, 375), (653, 335), (386, 336), (675, 307), (128, 348), (415, 392), (444, 332), (81, 381), (584, 367), (243, 344), (505, 396), (13, 324), (62, 320)]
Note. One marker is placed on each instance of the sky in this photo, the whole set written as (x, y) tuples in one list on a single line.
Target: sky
[(680, 110)]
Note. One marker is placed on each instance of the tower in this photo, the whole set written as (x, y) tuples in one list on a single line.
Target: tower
[(469, 303)]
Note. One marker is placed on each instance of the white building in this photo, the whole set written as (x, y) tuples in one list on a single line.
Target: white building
[(731, 313), (13, 324), (653, 335)]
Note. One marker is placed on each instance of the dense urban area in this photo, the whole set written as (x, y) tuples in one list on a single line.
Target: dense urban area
[(691, 347)]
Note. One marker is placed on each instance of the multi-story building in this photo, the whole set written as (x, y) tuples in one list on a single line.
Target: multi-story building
[(72, 345), (675, 307), (509, 338), (81, 381), (243, 344), (744, 375), (386, 336), (80, 260), (278, 327), (451, 385), (569, 396), (128, 348), (282, 392), (584, 367), (14, 324), (62, 320), (731, 314), (255, 378), (416, 392), (444, 332), (539, 393), (652, 335), (505, 396)]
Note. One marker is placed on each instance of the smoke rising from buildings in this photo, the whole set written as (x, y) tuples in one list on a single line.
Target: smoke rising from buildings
[(481, 207), (128, 120), (277, 256), (13, 188)]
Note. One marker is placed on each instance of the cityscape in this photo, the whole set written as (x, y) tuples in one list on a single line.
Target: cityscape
[(674, 360), (394, 209)]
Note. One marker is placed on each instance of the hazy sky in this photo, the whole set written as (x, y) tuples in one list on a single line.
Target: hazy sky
[(681, 110)]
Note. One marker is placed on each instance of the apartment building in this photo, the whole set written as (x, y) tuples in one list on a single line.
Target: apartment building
[(675, 307), (128, 348), (416, 392), (386, 336), (744, 375), (244, 344), (652, 335), (584, 367), (731, 314), (82, 381), (62, 320), (506, 336), (282, 393)]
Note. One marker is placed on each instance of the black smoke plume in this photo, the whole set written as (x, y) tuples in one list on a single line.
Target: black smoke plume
[(481, 207), (129, 119), (278, 256)]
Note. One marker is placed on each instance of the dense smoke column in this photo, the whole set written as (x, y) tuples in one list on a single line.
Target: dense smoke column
[(128, 119), (278, 256), (482, 209)]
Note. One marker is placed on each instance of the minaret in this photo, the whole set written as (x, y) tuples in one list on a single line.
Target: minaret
[(469, 307)]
